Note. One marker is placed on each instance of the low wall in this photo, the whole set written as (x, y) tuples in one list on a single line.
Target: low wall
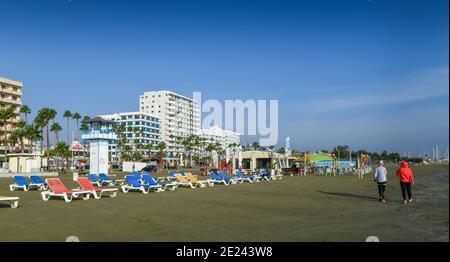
[(46, 174)]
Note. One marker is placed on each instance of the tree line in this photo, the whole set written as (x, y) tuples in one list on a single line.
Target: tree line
[(38, 129)]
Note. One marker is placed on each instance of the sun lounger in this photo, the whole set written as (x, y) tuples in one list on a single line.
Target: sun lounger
[(105, 179), (149, 180), (194, 180), (37, 180), (135, 185), (250, 179), (169, 177), (182, 181), (267, 176), (58, 189), (229, 179), (94, 180), (216, 179), (12, 201), (97, 192), (20, 182), (136, 175)]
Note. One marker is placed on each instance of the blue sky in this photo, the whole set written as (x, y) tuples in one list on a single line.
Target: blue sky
[(370, 74)]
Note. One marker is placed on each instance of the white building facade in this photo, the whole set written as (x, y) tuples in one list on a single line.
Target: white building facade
[(216, 134), (10, 96), (140, 128), (179, 117)]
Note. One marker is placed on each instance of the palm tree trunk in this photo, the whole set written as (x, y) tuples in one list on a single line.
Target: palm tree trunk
[(56, 138), (5, 142), (68, 123), (30, 146), (21, 144), (47, 136), (78, 130)]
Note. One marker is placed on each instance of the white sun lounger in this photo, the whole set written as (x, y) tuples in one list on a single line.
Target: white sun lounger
[(13, 201)]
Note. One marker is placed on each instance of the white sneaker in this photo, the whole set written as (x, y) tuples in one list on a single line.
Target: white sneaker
[(410, 201)]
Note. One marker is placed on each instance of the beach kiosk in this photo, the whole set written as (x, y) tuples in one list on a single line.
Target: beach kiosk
[(99, 135)]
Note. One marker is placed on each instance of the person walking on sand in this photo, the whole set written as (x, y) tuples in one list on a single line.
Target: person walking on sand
[(405, 175), (381, 178)]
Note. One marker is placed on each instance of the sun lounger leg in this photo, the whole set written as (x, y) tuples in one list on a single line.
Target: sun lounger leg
[(143, 190), (113, 194), (97, 195), (45, 196), (66, 198), (86, 196), (125, 189), (15, 204)]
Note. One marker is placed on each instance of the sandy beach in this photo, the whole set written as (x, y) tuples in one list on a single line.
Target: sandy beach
[(313, 208)]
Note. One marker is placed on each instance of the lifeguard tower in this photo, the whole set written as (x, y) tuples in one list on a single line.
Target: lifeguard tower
[(99, 136)]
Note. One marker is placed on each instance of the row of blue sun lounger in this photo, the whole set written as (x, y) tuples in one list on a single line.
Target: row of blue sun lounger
[(20, 182)]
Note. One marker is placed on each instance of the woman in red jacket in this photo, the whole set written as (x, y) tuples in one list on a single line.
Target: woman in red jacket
[(406, 179)]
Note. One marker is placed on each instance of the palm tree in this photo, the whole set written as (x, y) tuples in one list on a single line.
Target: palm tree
[(161, 146), (5, 115), (77, 118), (86, 119), (67, 115), (127, 152), (25, 110), (32, 134), (18, 134), (139, 147), (55, 128), (39, 124), (149, 147), (62, 149), (209, 148), (255, 145), (136, 156), (84, 127), (121, 139), (45, 115)]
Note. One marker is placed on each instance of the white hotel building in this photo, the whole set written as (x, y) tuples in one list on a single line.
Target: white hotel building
[(179, 116), (140, 128), (217, 134)]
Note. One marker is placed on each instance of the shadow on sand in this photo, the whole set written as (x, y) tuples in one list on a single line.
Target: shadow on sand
[(370, 198)]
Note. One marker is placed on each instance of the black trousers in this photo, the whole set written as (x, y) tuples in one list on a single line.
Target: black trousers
[(406, 189), (381, 189)]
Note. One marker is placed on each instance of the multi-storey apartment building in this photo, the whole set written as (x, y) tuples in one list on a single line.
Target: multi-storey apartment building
[(179, 115), (10, 94), (216, 134), (140, 128)]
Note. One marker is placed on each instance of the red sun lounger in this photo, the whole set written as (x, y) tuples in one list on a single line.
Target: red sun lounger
[(85, 184), (58, 189)]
